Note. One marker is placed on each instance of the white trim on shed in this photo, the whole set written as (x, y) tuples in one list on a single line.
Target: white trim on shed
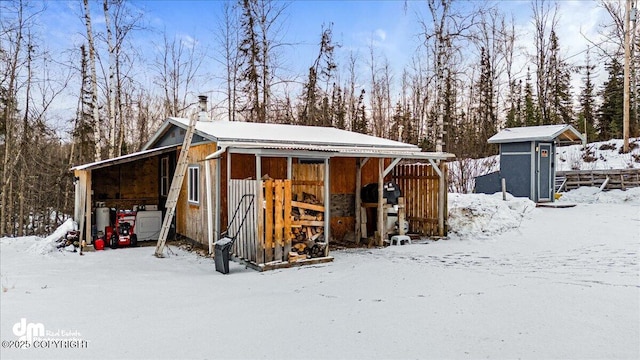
[(561, 133)]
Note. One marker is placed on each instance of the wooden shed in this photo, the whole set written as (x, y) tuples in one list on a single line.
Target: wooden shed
[(305, 180), (527, 160)]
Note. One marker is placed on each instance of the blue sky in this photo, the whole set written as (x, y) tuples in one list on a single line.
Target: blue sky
[(392, 26), (355, 23)]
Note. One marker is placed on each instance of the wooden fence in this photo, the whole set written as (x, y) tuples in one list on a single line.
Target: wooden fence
[(277, 220), (607, 179), (419, 184)]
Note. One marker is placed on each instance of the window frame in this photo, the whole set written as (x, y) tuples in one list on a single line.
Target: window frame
[(193, 184), (165, 183)]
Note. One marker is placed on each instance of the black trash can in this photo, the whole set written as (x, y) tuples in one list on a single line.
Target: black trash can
[(221, 255)]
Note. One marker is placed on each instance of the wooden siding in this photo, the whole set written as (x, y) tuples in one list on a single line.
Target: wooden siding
[(308, 178), (125, 185), (191, 219)]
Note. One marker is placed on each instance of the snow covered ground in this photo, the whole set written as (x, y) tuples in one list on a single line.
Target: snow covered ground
[(602, 155), (512, 281), (598, 156)]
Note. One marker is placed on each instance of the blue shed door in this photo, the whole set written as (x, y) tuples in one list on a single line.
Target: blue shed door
[(544, 173)]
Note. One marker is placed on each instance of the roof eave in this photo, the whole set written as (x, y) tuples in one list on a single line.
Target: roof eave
[(124, 158), (167, 125)]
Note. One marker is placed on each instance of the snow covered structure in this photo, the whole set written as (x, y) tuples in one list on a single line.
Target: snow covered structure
[(274, 165), (527, 160)]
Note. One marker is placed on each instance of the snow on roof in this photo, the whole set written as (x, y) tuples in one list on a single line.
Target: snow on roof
[(532, 133), (237, 131)]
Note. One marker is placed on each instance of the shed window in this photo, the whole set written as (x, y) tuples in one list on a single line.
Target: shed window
[(194, 184), (164, 176)]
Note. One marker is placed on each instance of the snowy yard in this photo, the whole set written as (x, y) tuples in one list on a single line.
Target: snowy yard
[(513, 281)]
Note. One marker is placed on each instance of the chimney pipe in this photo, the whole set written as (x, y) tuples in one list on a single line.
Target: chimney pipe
[(202, 108)]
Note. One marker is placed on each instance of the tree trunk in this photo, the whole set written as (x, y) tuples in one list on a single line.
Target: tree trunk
[(111, 85), (94, 81)]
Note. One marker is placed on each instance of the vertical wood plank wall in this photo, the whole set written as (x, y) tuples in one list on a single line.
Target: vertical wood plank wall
[(308, 178), (191, 219), (419, 184)]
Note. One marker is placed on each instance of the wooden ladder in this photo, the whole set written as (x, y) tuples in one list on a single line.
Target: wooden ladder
[(176, 185)]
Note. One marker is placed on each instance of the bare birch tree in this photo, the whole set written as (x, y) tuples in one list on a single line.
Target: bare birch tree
[(94, 80), (176, 68), (227, 40), (261, 22)]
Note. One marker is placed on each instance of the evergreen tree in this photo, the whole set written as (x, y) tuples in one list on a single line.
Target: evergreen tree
[(514, 113), (611, 111), (558, 85), (251, 53), (397, 123), (586, 112), (360, 121), (486, 117), (449, 115), (338, 108), (531, 114), (315, 111)]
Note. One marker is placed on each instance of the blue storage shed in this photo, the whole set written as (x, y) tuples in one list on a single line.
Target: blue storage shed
[(527, 160)]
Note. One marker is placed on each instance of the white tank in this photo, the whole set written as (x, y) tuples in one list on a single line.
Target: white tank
[(102, 218)]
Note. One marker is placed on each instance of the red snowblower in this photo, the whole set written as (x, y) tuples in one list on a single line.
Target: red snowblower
[(124, 230)]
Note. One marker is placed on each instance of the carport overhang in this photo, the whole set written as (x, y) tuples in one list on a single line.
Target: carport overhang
[(325, 153), (82, 182)]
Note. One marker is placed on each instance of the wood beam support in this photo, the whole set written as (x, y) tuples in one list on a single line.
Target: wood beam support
[(327, 206), (358, 228), (391, 166)]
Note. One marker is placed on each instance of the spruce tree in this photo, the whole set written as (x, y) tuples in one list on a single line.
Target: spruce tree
[(586, 111), (531, 114), (486, 116), (514, 112), (360, 121), (611, 111), (558, 85)]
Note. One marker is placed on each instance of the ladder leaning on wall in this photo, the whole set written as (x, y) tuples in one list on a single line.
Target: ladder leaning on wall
[(176, 186)]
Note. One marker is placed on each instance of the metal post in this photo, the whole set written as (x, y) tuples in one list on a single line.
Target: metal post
[(327, 206), (381, 227)]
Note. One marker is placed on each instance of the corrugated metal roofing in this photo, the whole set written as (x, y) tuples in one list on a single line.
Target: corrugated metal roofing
[(562, 132), (237, 131), (333, 151)]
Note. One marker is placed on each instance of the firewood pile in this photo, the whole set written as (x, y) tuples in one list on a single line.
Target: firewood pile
[(307, 227)]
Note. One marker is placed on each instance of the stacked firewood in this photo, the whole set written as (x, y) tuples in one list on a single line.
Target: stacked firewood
[(307, 215)]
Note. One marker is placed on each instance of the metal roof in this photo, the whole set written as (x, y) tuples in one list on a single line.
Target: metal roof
[(280, 134), (125, 158), (562, 133), (269, 149)]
